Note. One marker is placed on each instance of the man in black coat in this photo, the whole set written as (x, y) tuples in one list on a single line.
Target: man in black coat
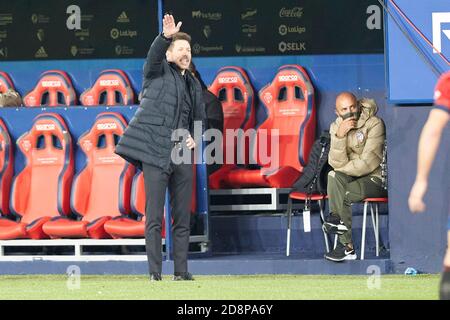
[(213, 107), (214, 113), (171, 103)]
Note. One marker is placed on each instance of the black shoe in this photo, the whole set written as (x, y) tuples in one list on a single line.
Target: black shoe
[(444, 287), (155, 276), (334, 225), (341, 253), (181, 276)]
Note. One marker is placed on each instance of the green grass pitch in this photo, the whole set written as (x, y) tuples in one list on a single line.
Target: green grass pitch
[(271, 287)]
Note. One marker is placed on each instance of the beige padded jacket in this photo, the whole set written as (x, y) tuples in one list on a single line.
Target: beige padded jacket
[(360, 152)]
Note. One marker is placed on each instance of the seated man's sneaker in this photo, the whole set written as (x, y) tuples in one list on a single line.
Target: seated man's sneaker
[(334, 225), (341, 253), (154, 276), (444, 287), (180, 276)]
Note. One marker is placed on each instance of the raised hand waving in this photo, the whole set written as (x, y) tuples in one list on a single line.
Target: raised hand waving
[(169, 27)]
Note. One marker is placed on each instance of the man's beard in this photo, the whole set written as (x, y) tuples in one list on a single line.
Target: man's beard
[(182, 62)]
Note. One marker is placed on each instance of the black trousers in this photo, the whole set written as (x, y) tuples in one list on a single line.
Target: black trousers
[(179, 182)]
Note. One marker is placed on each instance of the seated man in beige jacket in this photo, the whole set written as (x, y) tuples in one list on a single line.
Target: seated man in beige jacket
[(356, 153)]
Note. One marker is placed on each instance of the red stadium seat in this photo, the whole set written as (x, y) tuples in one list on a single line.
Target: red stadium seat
[(290, 108), (138, 195), (320, 199), (233, 89), (6, 168), (372, 203), (126, 227), (54, 88), (42, 189), (101, 190), (5, 82), (111, 88)]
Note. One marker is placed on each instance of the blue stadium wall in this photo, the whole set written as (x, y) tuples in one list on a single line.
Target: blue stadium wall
[(413, 240)]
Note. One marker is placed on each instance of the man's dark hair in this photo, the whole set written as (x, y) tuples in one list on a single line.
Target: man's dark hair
[(180, 36)]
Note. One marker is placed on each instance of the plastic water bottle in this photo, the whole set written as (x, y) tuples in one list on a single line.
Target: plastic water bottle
[(410, 271)]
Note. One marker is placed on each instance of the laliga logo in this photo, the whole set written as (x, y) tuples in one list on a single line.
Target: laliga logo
[(106, 126), (228, 80), (45, 127), (288, 77), (438, 19), (51, 84), (109, 83)]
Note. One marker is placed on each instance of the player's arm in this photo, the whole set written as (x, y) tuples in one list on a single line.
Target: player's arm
[(429, 142), (157, 52), (428, 146)]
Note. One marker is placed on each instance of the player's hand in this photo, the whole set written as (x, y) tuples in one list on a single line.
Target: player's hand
[(169, 27), (190, 143), (345, 127), (415, 200)]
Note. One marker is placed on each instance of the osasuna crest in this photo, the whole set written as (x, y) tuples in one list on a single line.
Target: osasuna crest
[(74, 50), (268, 97), (359, 136), (207, 31)]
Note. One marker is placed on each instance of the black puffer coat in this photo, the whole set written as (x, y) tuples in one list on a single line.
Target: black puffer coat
[(147, 138)]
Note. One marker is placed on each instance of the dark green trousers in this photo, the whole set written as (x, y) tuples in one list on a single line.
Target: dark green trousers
[(343, 190)]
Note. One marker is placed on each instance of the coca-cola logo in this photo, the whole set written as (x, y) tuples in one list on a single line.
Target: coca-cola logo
[(295, 12)]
